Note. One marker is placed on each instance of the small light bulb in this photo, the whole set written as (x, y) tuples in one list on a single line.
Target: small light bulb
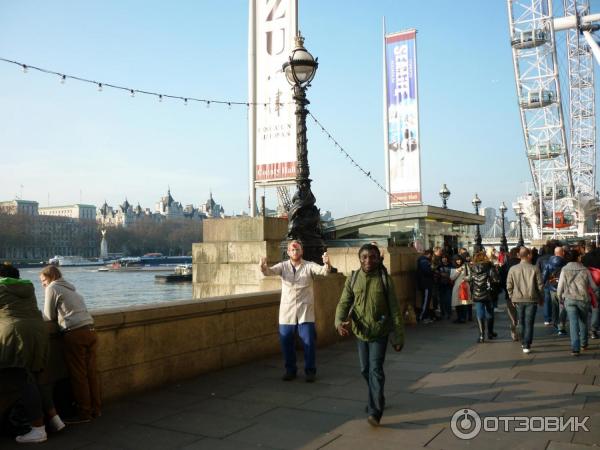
[(160, 98), (208, 104), (99, 87), (63, 78), (132, 92), (24, 68), (185, 101), (229, 105)]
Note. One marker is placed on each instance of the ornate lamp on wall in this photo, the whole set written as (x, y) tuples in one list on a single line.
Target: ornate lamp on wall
[(304, 216)]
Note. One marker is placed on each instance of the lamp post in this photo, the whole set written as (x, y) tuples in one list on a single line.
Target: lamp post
[(503, 242), (519, 212), (304, 217), (444, 194), (478, 247), (597, 231)]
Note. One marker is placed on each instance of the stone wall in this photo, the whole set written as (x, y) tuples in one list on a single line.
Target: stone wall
[(145, 347)]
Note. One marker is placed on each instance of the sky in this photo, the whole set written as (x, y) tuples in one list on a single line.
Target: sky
[(64, 144)]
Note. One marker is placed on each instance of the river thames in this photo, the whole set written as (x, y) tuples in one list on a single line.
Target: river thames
[(115, 289)]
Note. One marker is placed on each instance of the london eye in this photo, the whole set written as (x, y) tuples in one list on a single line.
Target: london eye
[(557, 111)]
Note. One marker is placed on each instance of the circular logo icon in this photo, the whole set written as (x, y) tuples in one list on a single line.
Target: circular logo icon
[(465, 424)]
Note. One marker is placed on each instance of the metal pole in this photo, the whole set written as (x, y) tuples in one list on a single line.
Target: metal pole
[(521, 241), (252, 106), (304, 218), (503, 242)]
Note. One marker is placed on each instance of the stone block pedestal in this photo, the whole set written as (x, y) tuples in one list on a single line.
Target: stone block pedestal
[(226, 262)]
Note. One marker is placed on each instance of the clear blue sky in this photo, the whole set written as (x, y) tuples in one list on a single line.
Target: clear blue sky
[(72, 143)]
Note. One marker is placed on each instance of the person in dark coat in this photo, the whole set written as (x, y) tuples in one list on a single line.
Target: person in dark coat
[(483, 275), (24, 350), (425, 283)]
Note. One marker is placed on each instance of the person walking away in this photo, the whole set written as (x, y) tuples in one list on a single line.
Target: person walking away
[(65, 306), (483, 276), (573, 285), (425, 285), (24, 351), (445, 288), (525, 288), (550, 276), (542, 261), (297, 307), (591, 260), (461, 293), (368, 307)]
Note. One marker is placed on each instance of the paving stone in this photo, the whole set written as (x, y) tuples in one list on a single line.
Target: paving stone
[(554, 445), (136, 437), (200, 424), (358, 434), (230, 408), (593, 425), (563, 377), (498, 440), (222, 444), (264, 435), (277, 397), (335, 406), (583, 389), (299, 419)]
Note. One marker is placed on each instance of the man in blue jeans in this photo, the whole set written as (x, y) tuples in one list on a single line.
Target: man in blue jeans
[(297, 307), (574, 286), (525, 289), (368, 307)]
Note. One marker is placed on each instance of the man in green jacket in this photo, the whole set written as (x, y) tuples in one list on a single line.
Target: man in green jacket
[(368, 307)]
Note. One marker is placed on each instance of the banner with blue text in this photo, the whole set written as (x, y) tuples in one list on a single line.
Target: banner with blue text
[(402, 118)]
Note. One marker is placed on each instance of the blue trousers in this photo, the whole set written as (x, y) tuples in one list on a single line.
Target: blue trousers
[(578, 323), (485, 310), (371, 356), (547, 305), (308, 336), (526, 319)]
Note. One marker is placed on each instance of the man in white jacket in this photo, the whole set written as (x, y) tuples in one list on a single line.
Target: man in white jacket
[(297, 307)]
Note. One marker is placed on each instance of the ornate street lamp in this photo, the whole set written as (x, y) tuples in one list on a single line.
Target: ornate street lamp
[(519, 212), (476, 203), (304, 217), (503, 242), (444, 194)]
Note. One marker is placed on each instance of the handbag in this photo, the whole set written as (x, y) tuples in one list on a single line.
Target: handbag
[(464, 291)]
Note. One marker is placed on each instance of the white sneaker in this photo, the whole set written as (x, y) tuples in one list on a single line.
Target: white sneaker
[(547, 323), (526, 350), (37, 434), (56, 424)]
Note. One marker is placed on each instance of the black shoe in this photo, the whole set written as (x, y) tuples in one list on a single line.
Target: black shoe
[(594, 335), (310, 377), (75, 420), (480, 339), (373, 421), (288, 376)]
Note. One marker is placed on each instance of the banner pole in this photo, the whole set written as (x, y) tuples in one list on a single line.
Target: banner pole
[(252, 106)]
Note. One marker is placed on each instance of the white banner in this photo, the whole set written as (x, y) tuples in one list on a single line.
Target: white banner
[(275, 125), (402, 118)]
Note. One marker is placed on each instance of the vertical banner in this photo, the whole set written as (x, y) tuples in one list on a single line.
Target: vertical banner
[(275, 28), (402, 118)]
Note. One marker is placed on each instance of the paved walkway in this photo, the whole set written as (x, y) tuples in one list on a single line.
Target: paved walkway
[(440, 371)]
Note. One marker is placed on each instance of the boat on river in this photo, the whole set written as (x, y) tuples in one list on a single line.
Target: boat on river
[(182, 274), (74, 261)]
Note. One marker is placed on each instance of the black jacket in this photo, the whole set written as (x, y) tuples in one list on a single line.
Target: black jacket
[(483, 279)]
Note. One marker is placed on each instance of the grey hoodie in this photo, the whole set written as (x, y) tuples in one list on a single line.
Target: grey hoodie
[(66, 306), (574, 282)]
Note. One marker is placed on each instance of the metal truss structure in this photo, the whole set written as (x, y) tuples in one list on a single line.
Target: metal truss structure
[(563, 172)]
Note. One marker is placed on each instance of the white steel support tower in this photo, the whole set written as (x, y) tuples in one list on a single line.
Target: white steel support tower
[(563, 171)]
